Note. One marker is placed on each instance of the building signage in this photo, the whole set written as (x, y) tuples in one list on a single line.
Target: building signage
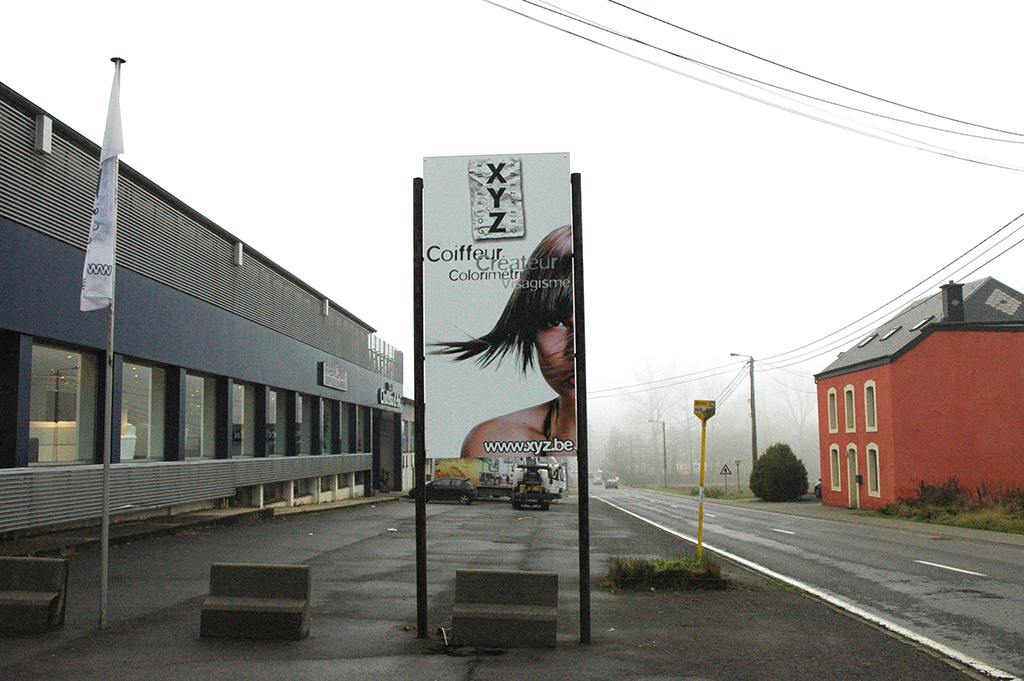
[(499, 367), (333, 376), (387, 397)]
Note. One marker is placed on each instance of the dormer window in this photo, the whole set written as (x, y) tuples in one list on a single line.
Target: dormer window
[(921, 323), (889, 334)]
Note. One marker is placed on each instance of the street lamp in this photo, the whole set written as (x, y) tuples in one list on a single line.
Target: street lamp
[(664, 453), (753, 410)]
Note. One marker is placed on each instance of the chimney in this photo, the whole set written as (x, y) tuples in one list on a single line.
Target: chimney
[(953, 302)]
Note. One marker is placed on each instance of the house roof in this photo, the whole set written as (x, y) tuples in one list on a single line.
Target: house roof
[(987, 303)]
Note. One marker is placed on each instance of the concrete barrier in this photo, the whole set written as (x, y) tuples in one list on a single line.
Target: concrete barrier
[(32, 594), (505, 609), (257, 601)]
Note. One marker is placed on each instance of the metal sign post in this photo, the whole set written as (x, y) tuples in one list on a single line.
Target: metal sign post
[(704, 410)]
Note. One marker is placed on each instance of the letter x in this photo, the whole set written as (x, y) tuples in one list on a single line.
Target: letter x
[(496, 173)]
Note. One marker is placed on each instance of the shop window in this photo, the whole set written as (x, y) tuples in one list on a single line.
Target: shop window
[(200, 416), (849, 407), (364, 426), (304, 416), (408, 436), (330, 427), (243, 420), (143, 393), (874, 489), (833, 411), (277, 422), (63, 406), (348, 420), (837, 471), (870, 410)]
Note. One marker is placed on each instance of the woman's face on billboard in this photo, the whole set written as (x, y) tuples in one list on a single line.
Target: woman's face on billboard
[(557, 356)]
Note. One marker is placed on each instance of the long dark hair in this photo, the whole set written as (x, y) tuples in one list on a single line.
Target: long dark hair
[(543, 297)]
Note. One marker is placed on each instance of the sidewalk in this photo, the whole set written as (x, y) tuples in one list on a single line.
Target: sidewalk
[(364, 609), (815, 509), (64, 541)]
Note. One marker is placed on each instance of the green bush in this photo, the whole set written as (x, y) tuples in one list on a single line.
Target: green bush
[(778, 475)]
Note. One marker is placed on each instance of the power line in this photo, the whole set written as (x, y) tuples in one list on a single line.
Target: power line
[(910, 142), (813, 77), (551, 7)]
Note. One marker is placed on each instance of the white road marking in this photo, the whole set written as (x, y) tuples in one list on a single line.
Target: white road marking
[(838, 602), (782, 531), (946, 567)]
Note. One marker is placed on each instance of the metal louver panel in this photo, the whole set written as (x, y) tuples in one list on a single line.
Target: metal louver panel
[(39, 496), (163, 240)]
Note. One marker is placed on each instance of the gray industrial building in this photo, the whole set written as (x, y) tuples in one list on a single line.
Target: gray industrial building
[(234, 382)]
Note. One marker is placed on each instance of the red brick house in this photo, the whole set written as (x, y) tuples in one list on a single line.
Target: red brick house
[(936, 392)]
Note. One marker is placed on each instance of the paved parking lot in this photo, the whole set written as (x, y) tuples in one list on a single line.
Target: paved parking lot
[(364, 607)]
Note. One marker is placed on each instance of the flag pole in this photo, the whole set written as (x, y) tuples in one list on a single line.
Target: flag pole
[(108, 404), (111, 139)]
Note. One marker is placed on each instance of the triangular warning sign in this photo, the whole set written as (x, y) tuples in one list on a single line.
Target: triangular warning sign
[(725, 470)]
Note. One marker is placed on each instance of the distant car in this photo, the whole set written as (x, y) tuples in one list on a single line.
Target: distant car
[(597, 481), (817, 488), (448, 489), (611, 483)]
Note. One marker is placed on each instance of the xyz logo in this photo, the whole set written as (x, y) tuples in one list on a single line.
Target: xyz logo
[(497, 198)]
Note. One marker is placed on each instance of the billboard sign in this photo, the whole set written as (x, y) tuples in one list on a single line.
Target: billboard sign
[(499, 363)]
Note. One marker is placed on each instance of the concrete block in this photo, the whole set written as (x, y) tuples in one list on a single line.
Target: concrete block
[(505, 609), (257, 602), (32, 594)]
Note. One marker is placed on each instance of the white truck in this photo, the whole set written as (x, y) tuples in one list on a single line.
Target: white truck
[(495, 477)]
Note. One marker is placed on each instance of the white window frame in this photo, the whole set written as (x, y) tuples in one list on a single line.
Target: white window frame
[(874, 475), (870, 407), (850, 408), (836, 465), (833, 410)]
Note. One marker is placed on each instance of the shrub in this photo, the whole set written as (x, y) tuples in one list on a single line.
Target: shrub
[(778, 475)]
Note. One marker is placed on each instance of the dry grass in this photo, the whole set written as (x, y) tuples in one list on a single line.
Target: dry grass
[(665, 574), (950, 504)]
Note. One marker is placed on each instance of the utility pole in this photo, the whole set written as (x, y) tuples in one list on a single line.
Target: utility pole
[(664, 453), (753, 409)]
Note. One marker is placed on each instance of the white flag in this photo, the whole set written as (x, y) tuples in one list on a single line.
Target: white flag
[(98, 272)]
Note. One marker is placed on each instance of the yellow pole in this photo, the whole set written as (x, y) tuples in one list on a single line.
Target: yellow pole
[(700, 498)]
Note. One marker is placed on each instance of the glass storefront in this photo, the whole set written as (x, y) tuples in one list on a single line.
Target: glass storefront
[(305, 420), (200, 415), (330, 425), (62, 412), (243, 416), (142, 412)]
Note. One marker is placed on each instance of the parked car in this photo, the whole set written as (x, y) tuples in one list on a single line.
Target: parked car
[(611, 483), (448, 489), (817, 488)]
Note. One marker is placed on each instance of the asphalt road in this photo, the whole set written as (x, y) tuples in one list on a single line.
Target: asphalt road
[(962, 590)]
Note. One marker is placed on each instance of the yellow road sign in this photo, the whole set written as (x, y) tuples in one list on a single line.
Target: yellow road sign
[(704, 409)]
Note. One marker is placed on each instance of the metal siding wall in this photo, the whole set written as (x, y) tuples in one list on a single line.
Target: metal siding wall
[(53, 194), (36, 497)]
